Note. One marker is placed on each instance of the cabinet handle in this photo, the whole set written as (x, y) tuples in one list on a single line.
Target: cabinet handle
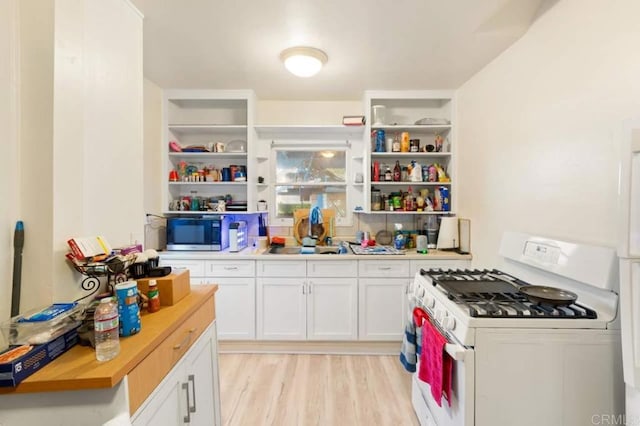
[(310, 284), (192, 379), (303, 291), (230, 268), (187, 418), (185, 340), (384, 268)]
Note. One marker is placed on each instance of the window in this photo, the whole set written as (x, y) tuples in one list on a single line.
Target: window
[(305, 177)]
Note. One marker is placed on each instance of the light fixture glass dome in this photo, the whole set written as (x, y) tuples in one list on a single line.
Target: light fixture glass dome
[(303, 61)]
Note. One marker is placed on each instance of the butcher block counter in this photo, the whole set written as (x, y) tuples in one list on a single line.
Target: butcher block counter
[(76, 384)]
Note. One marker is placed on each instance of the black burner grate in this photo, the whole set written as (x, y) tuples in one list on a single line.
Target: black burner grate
[(494, 294)]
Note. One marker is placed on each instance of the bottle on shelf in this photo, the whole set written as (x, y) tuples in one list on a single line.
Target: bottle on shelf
[(404, 142), (154, 297), (388, 175), (375, 172), (105, 327), (397, 172), (396, 143)]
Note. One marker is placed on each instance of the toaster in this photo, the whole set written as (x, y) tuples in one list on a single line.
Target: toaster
[(238, 238)]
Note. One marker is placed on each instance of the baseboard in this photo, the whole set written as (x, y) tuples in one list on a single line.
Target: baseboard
[(307, 347)]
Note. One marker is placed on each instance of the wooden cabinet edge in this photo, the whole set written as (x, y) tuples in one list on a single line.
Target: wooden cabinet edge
[(75, 369)]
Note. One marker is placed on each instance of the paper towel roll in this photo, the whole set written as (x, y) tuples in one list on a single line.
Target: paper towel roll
[(448, 237)]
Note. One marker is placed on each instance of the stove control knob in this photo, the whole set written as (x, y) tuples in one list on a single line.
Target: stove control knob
[(449, 323), (428, 301), (440, 315)]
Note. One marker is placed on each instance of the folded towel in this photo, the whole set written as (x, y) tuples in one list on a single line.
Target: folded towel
[(411, 341), (435, 364)]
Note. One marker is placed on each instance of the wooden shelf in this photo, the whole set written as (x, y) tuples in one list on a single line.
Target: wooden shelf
[(207, 155), (326, 130), (204, 129), (410, 154), (399, 212), (427, 128), (218, 183), (409, 183)]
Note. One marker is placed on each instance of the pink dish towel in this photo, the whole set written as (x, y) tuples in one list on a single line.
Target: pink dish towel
[(435, 364)]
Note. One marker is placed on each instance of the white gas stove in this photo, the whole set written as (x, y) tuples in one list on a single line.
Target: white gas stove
[(513, 355)]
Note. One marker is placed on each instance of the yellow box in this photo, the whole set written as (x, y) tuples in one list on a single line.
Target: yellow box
[(172, 288)]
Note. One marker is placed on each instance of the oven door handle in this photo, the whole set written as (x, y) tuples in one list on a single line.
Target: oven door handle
[(455, 351)]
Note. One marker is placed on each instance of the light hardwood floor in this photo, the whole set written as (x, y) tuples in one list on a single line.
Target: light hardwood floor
[(327, 390)]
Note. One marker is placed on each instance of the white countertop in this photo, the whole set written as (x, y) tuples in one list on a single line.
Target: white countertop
[(250, 253)]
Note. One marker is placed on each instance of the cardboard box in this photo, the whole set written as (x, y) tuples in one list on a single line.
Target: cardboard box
[(14, 371), (172, 288)]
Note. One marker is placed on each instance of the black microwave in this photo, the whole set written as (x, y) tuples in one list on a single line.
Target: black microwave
[(201, 233)]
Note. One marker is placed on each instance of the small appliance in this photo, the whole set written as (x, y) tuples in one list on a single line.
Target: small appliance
[(208, 233), (238, 236)]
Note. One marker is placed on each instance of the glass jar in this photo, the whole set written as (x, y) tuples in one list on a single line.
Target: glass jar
[(376, 200)]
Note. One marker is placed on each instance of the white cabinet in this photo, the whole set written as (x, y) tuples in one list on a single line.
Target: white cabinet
[(382, 308), (218, 125), (382, 294), (424, 116), (235, 299), (281, 308), (308, 306), (187, 394), (332, 308)]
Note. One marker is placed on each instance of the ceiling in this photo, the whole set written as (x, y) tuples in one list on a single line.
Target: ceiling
[(401, 44)]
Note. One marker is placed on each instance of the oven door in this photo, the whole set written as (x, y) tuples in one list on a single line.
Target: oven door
[(461, 411)]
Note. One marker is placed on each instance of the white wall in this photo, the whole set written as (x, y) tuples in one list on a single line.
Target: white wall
[(306, 112), (9, 212), (537, 130), (153, 146)]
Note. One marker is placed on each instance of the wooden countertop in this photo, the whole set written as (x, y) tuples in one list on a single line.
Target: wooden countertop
[(78, 368)]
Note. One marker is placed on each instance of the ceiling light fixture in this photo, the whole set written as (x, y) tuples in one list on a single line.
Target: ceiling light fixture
[(303, 61)]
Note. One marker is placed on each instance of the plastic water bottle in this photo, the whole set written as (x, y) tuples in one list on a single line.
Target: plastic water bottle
[(106, 329)]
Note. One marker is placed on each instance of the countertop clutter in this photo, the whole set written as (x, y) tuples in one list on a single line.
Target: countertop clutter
[(78, 368), (263, 254)]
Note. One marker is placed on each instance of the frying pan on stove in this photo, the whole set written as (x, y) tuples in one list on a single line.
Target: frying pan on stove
[(541, 294)]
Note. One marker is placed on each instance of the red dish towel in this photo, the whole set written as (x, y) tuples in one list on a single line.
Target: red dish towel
[(435, 364)]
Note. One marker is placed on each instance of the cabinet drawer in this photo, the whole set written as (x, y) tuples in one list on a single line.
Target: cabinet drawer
[(386, 268), (195, 267), (146, 376), (332, 268), (230, 268), (282, 268)]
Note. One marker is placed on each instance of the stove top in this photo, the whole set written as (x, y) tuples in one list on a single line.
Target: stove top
[(495, 294)]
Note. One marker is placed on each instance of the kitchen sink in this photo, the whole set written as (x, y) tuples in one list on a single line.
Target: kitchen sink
[(296, 250)]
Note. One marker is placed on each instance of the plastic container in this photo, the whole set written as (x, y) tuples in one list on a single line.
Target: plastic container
[(105, 320), (154, 297), (42, 325), (127, 294)]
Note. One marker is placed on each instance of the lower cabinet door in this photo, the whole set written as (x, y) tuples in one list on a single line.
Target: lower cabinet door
[(202, 380), (383, 306), (167, 405), (281, 308), (332, 306), (190, 393), (235, 308)]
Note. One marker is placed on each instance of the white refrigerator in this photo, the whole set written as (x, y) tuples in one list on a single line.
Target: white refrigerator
[(629, 254)]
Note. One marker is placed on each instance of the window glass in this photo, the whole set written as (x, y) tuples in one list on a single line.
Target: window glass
[(305, 178)]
